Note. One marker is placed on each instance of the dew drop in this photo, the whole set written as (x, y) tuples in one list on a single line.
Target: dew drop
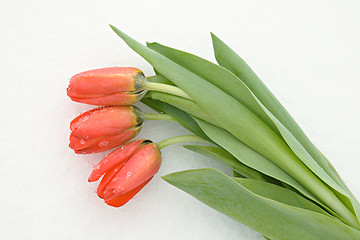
[(84, 118), (103, 143)]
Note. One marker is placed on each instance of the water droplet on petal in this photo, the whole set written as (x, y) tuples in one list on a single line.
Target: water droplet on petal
[(103, 143), (84, 118)]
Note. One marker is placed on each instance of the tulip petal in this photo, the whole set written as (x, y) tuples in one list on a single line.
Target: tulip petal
[(141, 166), (107, 178), (105, 81), (102, 144), (79, 143), (124, 198), (105, 121), (116, 157), (113, 99)]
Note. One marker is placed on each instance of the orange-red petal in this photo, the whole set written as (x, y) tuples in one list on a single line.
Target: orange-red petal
[(113, 99), (107, 178), (101, 144), (105, 121), (105, 81), (141, 166), (124, 198), (116, 157)]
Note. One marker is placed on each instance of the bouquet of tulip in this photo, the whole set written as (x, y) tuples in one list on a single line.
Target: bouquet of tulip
[(282, 187)]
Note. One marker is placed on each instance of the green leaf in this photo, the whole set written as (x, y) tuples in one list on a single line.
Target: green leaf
[(217, 75), (227, 58), (155, 71), (279, 194), (232, 85), (238, 175), (276, 220), (254, 160), (180, 116), (289, 129), (182, 103), (160, 79), (250, 157), (306, 158), (151, 104), (227, 158)]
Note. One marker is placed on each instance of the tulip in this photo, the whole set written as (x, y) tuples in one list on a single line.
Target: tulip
[(104, 128), (126, 171), (108, 86)]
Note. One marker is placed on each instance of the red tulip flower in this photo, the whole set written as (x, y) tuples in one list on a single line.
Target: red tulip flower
[(108, 86), (127, 170), (104, 128)]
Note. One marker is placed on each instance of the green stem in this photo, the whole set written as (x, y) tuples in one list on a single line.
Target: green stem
[(160, 87), (180, 139), (158, 116)]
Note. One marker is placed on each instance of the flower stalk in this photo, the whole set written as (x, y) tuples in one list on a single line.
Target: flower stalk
[(158, 116), (165, 88), (180, 139)]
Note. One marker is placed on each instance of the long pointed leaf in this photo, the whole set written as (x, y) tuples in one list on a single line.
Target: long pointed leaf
[(350, 202), (251, 158), (180, 116), (276, 220), (227, 58), (226, 157), (280, 194), (184, 104), (217, 75), (160, 79), (290, 130)]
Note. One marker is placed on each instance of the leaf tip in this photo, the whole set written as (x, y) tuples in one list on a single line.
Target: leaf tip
[(167, 178), (118, 32), (112, 27), (150, 44), (187, 147), (213, 36)]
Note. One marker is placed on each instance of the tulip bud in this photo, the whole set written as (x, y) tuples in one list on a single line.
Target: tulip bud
[(127, 170), (108, 86), (104, 128)]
